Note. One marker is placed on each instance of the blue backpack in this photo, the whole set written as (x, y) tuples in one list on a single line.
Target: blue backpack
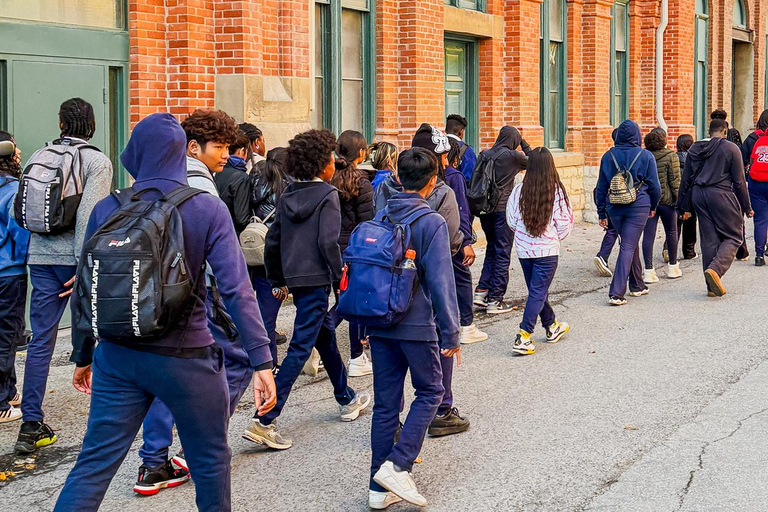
[(375, 290)]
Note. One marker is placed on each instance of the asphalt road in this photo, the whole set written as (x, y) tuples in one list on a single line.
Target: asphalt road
[(658, 405)]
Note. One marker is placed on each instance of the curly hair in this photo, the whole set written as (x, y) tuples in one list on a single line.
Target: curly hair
[(655, 140), (77, 119), (539, 190), (206, 126), (251, 131), (719, 114), (347, 177), (9, 166), (309, 153)]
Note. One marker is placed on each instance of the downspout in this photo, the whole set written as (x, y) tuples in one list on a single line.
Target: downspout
[(660, 64)]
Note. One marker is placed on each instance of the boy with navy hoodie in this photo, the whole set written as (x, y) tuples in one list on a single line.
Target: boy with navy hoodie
[(412, 344), (14, 242), (183, 368)]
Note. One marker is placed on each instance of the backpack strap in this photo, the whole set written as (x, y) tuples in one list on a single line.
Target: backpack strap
[(181, 194), (637, 157), (124, 195)]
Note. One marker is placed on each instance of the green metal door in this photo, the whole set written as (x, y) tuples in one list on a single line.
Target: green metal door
[(461, 95)]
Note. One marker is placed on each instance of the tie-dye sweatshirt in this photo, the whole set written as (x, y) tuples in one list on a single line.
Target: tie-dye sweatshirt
[(548, 244)]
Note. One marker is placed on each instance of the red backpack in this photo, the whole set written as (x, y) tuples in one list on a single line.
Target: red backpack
[(758, 167)]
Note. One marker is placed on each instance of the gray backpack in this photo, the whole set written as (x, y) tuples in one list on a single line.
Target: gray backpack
[(51, 187)]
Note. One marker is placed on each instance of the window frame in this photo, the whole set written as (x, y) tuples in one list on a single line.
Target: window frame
[(481, 5), (618, 117), (742, 9), (472, 85), (544, 82), (700, 118)]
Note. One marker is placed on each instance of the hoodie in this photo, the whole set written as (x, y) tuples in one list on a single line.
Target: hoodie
[(628, 143), (468, 158), (14, 240), (234, 189), (714, 163), (442, 200), (156, 158), (379, 178), (434, 303), (455, 180), (199, 176), (508, 162), (302, 248), (749, 143)]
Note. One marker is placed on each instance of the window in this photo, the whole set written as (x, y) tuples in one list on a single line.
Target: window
[(552, 104), (93, 13), (344, 66), (620, 68), (475, 5), (701, 69), (739, 14)]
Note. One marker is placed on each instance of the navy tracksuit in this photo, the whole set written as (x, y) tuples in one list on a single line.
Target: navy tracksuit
[(609, 240), (498, 254), (13, 299), (538, 273)]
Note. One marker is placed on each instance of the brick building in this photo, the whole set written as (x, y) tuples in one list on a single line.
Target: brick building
[(564, 71)]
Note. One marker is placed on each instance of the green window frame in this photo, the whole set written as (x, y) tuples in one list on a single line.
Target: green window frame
[(472, 5), (701, 70), (553, 60), (471, 89), (620, 62), (739, 14), (336, 75)]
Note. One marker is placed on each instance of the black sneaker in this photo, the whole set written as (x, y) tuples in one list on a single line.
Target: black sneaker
[(759, 261), (280, 337), (34, 435), (151, 480), (447, 424)]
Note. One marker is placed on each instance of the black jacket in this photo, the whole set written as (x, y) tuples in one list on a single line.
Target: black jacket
[(302, 247), (234, 189), (263, 198), (508, 163), (355, 210)]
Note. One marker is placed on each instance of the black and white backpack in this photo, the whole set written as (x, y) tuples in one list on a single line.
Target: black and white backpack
[(133, 280)]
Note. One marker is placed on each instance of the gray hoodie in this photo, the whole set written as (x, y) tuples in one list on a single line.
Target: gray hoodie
[(64, 249)]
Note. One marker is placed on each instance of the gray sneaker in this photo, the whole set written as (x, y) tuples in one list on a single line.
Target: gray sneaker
[(497, 307), (352, 410), (480, 299), (266, 435)]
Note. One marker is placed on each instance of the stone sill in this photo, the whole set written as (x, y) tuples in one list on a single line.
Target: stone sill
[(567, 158)]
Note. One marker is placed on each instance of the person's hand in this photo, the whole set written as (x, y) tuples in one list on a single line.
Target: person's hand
[(604, 223), (264, 391), (686, 216), (652, 215), (82, 379), (69, 284), (450, 352), (469, 256), (280, 293), (751, 213)]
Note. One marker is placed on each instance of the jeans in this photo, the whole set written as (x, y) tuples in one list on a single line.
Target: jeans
[(539, 273), (463, 277), (609, 240), (312, 328), (45, 311), (125, 383), (758, 195), (720, 227), (13, 300), (495, 274), (629, 221), (269, 307), (392, 359), (668, 216)]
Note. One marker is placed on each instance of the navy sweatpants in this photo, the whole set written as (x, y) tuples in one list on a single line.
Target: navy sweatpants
[(758, 195), (495, 274), (125, 383), (158, 425), (45, 311), (463, 277), (668, 216), (720, 227), (629, 221), (269, 307), (609, 240), (392, 359), (539, 273), (312, 328), (13, 299)]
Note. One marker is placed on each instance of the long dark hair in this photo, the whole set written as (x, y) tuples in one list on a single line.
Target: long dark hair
[(9, 166), (539, 190), (272, 171), (347, 177)]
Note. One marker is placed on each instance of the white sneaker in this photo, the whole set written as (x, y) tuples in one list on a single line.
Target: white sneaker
[(480, 299), (525, 346), (602, 266), (352, 410), (640, 293), (360, 366), (16, 400), (10, 414), (399, 482), (649, 276), (617, 301), (556, 331), (381, 500), (312, 366), (673, 271), (471, 334)]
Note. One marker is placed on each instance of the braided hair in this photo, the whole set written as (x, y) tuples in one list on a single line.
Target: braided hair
[(9, 165), (77, 119)]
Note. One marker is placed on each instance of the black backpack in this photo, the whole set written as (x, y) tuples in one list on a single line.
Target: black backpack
[(483, 193), (133, 281)]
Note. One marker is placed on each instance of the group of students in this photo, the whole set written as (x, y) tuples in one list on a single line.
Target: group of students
[(713, 183), (213, 179)]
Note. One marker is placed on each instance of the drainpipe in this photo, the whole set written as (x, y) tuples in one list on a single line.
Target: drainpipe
[(660, 64)]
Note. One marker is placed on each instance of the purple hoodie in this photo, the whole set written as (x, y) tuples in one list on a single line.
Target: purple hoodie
[(156, 158)]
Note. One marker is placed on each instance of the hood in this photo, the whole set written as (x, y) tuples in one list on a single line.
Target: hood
[(392, 185), (628, 135), (300, 200), (762, 123), (508, 137), (403, 204), (238, 163), (157, 149), (704, 149)]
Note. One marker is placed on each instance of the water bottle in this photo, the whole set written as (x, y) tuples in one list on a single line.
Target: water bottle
[(409, 263)]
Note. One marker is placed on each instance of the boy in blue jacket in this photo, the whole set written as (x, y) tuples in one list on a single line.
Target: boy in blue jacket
[(412, 344), (14, 242)]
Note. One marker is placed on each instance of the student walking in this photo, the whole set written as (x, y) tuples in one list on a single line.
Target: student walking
[(384, 159), (755, 156), (302, 255), (714, 185), (14, 242), (540, 215), (627, 162), (609, 237), (686, 229), (455, 129), (494, 278), (668, 166), (53, 255), (183, 367), (233, 185), (411, 345)]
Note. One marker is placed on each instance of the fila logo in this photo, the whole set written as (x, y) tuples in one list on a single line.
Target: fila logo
[(371, 240), (135, 298), (119, 243)]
